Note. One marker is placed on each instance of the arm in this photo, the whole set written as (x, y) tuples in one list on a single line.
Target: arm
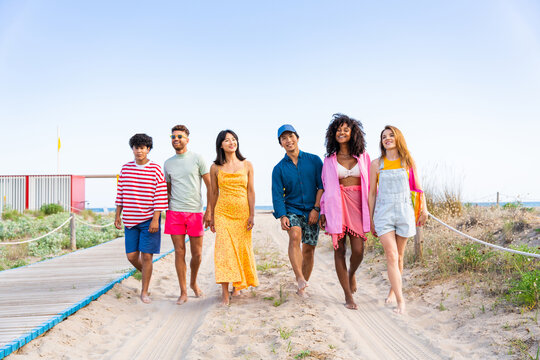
[(277, 199), (373, 191), (208, 213), (251, 196), (214, 193), (118, 217), (160, 200)]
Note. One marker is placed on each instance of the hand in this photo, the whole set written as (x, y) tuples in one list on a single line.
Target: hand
[(154, 226), (118, 223), (322, 221), (211, 225), (373, 232), (313, 217), (285, 223), (250, 223), (422, 218), (208, 218)]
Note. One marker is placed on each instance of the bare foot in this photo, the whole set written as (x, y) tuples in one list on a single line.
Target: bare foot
[(145, 299), (236, 292), (197, 290), (391, 297), (182, 299), (350, 304), (302, 292), (352, 283), (302, 284), (400, 309), (225, 300)]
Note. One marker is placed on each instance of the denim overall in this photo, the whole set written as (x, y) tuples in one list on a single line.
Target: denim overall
[(393, 206)]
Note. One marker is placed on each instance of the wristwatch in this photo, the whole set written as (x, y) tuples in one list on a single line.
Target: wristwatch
[(317, 209)]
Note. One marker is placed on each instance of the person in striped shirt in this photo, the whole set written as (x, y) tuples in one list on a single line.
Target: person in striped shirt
[(140, 199)]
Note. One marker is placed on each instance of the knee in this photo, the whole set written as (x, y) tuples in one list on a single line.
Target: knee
[(340, 251), (146, 258), (133, 257), (357, 253), (180, 253), (392, 257), (196, 256)]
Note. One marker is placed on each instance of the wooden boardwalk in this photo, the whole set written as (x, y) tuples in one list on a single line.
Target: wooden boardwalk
[(42, 294)]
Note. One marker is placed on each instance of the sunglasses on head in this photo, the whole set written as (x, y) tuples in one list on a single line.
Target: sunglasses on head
[(178, 136)]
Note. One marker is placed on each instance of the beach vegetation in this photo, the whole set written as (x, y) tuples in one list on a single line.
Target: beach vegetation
[(282, 297), (525, 290), (303, 354), (137, 275), (285, 333), (10, 214), (50, 209), (471, 256), (289, 346)]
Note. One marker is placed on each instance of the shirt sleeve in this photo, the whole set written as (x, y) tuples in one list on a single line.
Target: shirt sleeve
[(277, 193), (203, 167), (120, 189), (318, 169), (160, 193)]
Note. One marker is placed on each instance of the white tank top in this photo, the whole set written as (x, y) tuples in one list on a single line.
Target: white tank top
[(343, 172)]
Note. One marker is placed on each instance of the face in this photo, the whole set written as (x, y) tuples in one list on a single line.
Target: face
[(178, 143), (229, 144), (140, 153), (343, 134), (388, 139), (288, 141)]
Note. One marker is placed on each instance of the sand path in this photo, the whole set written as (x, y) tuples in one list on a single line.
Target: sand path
[(257, 325)]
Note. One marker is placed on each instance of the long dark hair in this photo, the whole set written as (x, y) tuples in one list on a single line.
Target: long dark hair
[(220, 153), (357, 143)]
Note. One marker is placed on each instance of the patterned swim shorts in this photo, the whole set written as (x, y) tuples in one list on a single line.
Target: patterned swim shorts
[(310, 233)]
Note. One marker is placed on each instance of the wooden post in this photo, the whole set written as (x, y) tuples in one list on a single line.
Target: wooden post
[(72, 236), (418, 244), (497, 199)]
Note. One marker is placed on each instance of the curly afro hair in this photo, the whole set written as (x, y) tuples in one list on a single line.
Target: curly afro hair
[(357, 144), (139, 140)]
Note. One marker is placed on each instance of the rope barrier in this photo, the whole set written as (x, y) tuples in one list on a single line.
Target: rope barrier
[(485, 243), (92, 225), (41, 237)]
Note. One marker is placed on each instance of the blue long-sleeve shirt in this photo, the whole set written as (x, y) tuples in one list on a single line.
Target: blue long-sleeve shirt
[(294, 187)]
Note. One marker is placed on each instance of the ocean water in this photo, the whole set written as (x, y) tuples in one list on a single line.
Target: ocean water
[(524, 204), (112, 209)]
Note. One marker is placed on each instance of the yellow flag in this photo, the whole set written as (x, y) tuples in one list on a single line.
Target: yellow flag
[(59, 144)]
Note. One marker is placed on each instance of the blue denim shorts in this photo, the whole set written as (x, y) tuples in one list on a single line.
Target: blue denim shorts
[(138, 238)]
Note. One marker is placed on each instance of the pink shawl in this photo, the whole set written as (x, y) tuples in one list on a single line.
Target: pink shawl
[(331, 199)]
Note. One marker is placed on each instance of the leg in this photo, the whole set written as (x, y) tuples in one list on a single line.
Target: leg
[(389, 243), (295, 256), (357, 255), (401, 245), (343, 276), (179, 242), (195, 244), (308, 257), (146, 275), (134, 259), (225, 294)]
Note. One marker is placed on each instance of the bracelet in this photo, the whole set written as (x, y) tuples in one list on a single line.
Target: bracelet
[(317, 209)]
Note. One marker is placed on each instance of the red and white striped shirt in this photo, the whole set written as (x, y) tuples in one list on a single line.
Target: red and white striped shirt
[(142, 190)]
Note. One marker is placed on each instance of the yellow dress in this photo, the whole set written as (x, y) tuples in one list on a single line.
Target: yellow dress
[(233, 256)]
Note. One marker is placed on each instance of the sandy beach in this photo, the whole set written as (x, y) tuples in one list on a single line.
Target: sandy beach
[(272, 322)]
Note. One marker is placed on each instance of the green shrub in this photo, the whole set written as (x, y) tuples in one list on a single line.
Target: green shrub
[(525, 290), (470, 256), (49, 209), (51, 244), (10, 214)]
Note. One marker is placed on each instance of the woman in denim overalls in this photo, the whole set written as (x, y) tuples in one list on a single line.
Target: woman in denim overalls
[(390, 206)]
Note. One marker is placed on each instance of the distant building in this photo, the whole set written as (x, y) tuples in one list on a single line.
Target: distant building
[(29, 192)]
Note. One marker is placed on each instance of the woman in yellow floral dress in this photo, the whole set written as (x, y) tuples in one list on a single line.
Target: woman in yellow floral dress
[(233, 208)]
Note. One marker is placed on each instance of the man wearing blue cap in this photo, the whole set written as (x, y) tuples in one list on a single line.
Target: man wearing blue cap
[(296, 194)]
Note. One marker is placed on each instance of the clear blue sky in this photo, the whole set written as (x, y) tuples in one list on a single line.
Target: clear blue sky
[(460, 78)]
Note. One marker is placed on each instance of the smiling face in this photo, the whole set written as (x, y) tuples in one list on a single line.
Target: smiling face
[(229, 144), (343, 133), (179, 144), (288, 141), (388, 139)]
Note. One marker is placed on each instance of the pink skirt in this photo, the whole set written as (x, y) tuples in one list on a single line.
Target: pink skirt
[(351, 201)]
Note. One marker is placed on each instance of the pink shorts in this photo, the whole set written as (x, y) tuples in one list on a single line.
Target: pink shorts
[(182, 223)]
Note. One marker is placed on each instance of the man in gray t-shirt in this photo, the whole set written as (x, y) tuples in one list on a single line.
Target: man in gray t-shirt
[(183, 174)]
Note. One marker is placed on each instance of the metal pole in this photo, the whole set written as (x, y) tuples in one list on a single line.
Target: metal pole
[(72, 229), (497, 199), (418, 244)]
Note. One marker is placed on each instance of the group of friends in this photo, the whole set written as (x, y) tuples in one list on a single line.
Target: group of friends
[(347, 195)]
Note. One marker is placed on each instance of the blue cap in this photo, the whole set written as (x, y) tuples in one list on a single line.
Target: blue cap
[(284, 128)]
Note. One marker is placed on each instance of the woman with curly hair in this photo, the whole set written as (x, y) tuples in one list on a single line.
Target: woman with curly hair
[(344, 204), (393, 217)]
